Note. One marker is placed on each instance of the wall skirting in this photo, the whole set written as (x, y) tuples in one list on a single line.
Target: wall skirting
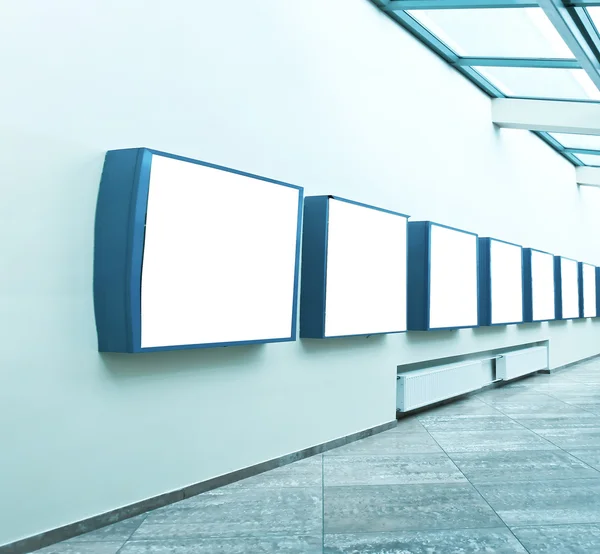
[(71, 530), (561, 367)]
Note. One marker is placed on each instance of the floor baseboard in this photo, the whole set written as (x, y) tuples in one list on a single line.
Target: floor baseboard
[(71, 530), (566, 366)]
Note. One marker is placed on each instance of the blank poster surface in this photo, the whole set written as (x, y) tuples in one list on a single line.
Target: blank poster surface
[(506, 272), (542, 286), (453, 278), (219, 257), (366, 270), (589, 290), (570, 288)]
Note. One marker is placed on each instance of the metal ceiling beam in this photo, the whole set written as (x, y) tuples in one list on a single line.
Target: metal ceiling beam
[(569, 31), (588, 176), (399, 5), (558, 63), (576, 151), (552, 116), (575, 3)]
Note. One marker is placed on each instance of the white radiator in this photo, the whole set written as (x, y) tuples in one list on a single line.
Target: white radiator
[(521, 362), (427, 386)]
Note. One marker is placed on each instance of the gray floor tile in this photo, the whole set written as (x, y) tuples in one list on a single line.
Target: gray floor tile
[(252, 511), (389, 442), (560, 539), (593, 408), (583, 396), (533, 404), (521, 465), (238, 545), (487, 441), (590, 456), (461, 541), (120, 531), (573, 438), (374, 509), (469, 406), (304, 473), (82, 548), (469, 423), (590, 378), (404, 469), (554, 421), (409, 424), (545, 502)]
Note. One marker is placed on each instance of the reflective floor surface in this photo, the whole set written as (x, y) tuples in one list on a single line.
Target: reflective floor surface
[(510, 470)]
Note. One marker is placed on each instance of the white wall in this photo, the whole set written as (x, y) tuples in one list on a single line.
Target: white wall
[(329, 95)]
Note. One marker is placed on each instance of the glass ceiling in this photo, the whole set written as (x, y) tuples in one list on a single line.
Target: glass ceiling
[(512, 49)]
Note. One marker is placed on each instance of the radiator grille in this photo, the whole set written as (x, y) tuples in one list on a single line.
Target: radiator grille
[(521, 362), (427, 386)]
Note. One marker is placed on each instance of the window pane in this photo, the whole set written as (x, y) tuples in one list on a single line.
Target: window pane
[(594, 12), (496, 32), (542, 82), (589, 159), (590, 142)]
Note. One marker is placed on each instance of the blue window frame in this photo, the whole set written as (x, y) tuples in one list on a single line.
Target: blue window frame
[(120, 234), (514, 48)]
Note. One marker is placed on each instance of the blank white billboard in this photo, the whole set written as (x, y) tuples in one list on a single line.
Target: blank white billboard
[(542, 286), (219, 257), (366, 270), (506, 274), (453, 278)]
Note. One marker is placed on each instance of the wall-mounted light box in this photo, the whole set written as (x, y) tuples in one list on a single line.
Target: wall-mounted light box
[(588, 292), (353, 269), (442, 277), (538, 285), (566, 293), (190, 255), (500, 282)]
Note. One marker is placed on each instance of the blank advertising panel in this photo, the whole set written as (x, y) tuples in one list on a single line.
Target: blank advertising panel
[(588, 290), (541, 285), (501, 282), (567, 292), (353, 269), (211, 253), (442, 277), (453, 278)]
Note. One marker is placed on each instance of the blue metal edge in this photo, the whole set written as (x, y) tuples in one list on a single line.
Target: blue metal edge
[(558, 288), (314, 266), (485, 280), (417, 276), (580, 285), (528, 287), (597, 290), (366, 206), (420, 307), (119, 245)]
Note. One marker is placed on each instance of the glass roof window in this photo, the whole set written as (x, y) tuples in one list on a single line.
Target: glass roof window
[(588, 142), (589, 159), (495, 32), (542, 82), (594, 13)]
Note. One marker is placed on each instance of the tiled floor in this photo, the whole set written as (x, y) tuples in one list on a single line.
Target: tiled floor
[(509, 470)]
